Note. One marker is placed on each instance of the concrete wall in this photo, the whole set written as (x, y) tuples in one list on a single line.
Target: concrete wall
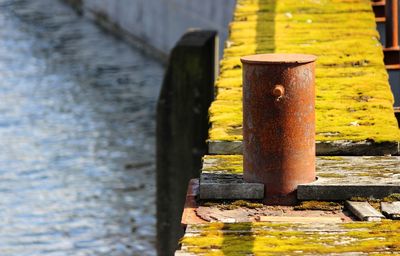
[(160, 23)]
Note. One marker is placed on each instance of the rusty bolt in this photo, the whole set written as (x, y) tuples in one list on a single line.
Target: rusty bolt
[(278, 91)]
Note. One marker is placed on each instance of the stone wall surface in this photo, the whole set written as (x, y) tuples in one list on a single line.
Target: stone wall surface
[(160, 23)]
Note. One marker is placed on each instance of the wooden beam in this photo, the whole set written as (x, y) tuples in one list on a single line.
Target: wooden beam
[(391, 209), (339, 178), (364, 211), (329, 148)]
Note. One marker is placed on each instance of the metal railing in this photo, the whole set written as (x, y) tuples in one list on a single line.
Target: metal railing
[(387, 11), (387, 18), (392, 50)]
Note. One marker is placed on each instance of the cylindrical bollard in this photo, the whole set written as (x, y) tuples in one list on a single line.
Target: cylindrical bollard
[(279, 123)]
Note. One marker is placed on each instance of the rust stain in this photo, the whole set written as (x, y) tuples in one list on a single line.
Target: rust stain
[(189, 215)]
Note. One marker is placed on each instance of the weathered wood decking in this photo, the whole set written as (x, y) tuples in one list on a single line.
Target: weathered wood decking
[(356, 238), (364, 211), (312, 228), (354, 117), (323, 148), (354, 102)]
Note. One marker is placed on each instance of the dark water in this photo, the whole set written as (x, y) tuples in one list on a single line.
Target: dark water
[(76, 134)]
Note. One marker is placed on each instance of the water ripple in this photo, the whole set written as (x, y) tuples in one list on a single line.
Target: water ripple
[(77, 134)]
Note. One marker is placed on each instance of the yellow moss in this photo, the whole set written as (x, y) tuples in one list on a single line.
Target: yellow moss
[(247, 204), (285, 238), (318, 205), (353, 98), (363, 199), (392, 198)]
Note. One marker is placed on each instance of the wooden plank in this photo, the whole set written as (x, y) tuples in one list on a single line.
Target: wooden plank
[(182, 253), (225, 147), (232, 191), (356, 238), (361, 148), (264, 227), (391, 209), (364, 211), (228, 186), (331, 190), (339, 178)]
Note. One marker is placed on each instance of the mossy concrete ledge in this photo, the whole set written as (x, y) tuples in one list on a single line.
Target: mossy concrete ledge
[(354, 103)]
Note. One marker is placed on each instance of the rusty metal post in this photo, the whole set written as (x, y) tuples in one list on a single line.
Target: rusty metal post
[(279, 123)]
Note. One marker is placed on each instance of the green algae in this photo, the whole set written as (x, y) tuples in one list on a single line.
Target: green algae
[(247, 204)]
